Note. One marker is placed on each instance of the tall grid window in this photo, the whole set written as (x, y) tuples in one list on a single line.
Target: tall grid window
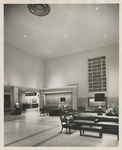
[(97, 74)]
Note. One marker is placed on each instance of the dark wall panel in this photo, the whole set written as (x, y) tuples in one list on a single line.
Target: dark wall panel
[(54, 99)]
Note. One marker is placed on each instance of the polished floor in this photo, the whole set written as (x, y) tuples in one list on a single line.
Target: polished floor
[(32, 130)]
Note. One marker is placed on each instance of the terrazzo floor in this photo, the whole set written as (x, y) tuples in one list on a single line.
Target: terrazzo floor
[(32, 130)]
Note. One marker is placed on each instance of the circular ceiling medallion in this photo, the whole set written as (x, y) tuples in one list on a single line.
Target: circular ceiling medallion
[(39, 9)]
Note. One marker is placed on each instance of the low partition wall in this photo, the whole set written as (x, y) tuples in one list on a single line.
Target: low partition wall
[(109, 101)]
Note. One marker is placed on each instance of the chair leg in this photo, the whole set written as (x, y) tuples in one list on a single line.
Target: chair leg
[(83, 131), (61, 129), (69, 131), (99, 134)]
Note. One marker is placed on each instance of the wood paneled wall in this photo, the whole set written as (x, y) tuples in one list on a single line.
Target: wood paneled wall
[(54, 99)]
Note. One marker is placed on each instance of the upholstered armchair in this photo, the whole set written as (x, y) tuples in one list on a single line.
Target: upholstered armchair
[(67, 121)]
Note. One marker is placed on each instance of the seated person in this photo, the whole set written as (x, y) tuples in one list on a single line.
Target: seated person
[(109, 110), (59, 106)]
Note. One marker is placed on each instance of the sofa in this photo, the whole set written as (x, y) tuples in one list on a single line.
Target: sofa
[(58, 112), (110, 124), (47, 109)]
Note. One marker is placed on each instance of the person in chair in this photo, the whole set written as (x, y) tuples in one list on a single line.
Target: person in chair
[(59, 106), (109, 110)]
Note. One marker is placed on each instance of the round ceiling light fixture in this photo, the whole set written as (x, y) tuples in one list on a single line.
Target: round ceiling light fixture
[(39, 9)]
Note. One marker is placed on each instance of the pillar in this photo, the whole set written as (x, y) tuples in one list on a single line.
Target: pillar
[(22, 99), (14, 99), (41, 99), (74, 97)]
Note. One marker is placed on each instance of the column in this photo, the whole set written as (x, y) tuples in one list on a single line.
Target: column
[(22, 99), (74, 97), (14, 99), (41, 99)]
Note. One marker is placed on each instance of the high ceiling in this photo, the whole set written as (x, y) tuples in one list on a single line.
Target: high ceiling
[(68, 28)]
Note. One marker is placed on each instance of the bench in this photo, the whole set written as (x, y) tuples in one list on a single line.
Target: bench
[(91, 128)]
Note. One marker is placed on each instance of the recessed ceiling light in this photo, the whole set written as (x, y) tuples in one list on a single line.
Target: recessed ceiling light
[(96, 8), (105, 35), (24, 36), (48, 51), (23, 89), (65, 35)]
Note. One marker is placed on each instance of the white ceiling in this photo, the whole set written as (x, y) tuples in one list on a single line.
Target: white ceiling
[(85, 28)]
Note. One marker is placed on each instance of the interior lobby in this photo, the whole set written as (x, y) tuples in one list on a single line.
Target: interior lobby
[(61, 59)]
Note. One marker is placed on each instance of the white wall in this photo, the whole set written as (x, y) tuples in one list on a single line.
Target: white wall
[(22, 68), (73, 69)]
